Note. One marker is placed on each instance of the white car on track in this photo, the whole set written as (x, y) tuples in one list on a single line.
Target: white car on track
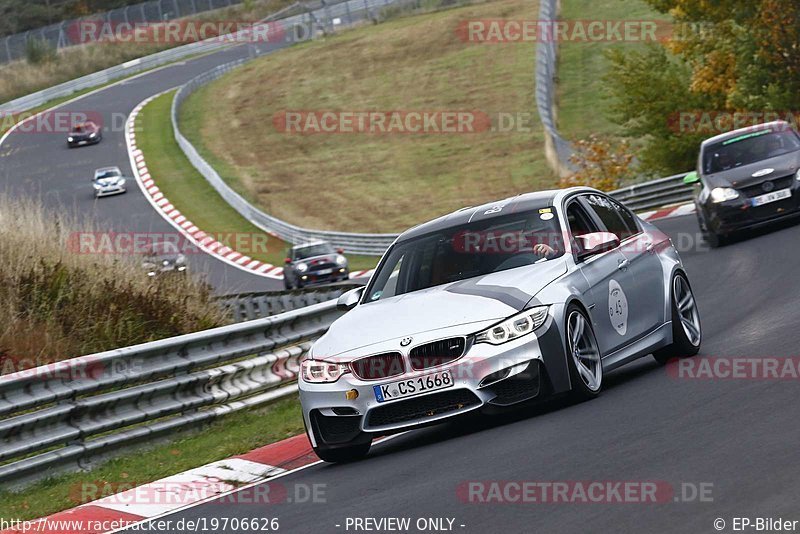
[(108, 181)]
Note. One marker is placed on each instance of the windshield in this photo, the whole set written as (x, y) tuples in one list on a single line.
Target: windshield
[(312, 250), (455, 254), (164, 248), (107, 174), (747, 149)]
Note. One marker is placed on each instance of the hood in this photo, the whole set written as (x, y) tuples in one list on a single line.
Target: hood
[(105, 182), (488, 298), (743, 176), (317, 260)]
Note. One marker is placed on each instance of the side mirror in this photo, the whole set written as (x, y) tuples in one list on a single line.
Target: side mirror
[(691, 178), (349, 299), (340, 251), (596, 243), (287, 260)]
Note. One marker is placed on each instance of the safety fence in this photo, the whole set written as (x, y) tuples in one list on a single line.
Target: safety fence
[(249, 306), (65, 414), (67, 33)]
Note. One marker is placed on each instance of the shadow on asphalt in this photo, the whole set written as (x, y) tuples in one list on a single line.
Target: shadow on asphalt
[(475, 423)]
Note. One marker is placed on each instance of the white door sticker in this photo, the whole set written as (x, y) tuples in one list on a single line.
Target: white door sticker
[(618, 307)]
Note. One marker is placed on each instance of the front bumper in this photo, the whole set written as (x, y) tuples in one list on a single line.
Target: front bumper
[(83, 142), (740, 214), (108, 191), (311, 277), (536, 364)]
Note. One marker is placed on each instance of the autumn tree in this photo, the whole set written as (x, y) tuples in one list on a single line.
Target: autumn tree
[(601, 163)]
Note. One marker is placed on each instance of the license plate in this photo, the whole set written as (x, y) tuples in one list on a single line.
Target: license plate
[(769, 198), (324, 272), (413, 386), (82, 142)]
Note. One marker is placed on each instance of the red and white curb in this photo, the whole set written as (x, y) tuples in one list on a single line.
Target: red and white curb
[(217, 480), (176, 492), (668, 213), (188, 229)]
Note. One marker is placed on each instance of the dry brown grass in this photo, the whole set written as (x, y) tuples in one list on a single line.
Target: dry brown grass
[(378, 183), (20, 78), (59, 304)]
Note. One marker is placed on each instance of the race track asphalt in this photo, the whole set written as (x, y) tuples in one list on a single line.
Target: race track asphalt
[(37, 164), (737, 437)]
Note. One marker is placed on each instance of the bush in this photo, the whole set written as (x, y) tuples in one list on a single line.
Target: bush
[(603, 164), (59, 304), (39, 51)]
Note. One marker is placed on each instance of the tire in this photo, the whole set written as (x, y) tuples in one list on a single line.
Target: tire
[(584, 358), (687, 330), (713, 239), (287, 284), (343, 454)]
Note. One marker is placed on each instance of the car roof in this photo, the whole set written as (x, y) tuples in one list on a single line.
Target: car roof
[(463, 216), (107, 169), (783, 125), (309, 244)]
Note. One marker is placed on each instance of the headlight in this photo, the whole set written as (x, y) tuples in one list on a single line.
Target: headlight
[(341, 260), (92, 135), (797, 175), (514, 327), (98, 186), (70, 139), (301, 267), (320, 371), (121, 181), (722, 194)]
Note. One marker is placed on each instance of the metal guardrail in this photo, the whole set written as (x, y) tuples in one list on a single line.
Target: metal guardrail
[(638, 197), (369, 244), (655, 194), (65, 414), (545, 77), (250, 306)]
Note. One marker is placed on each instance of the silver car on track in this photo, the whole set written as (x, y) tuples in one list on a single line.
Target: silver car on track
[(495, 306), (108, 181)]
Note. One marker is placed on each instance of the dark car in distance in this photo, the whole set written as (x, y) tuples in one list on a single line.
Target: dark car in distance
[(314, 263), (85, 133), (746, 178)]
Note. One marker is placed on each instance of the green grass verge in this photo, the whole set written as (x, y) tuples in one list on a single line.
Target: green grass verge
[(583, 101), (192, 195), (233, 434)]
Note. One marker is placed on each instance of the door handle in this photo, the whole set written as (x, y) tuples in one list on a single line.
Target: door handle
[(649, 246), (623, 265)]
